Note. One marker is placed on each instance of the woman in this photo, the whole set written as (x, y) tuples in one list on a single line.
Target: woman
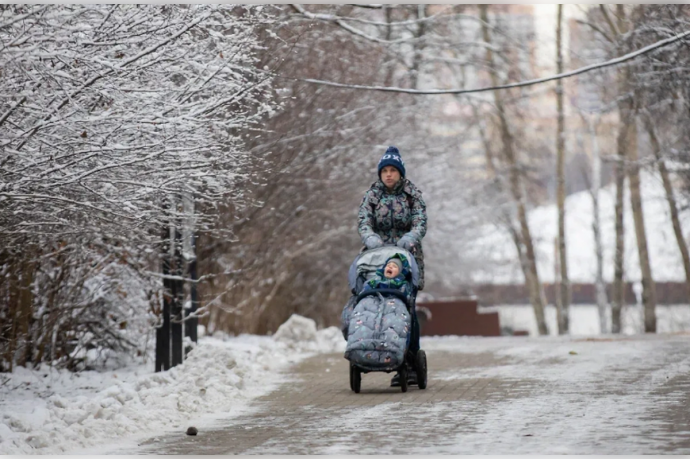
[(393, 212)]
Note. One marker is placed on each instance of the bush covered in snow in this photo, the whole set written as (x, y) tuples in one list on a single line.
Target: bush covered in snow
[(110, 115)]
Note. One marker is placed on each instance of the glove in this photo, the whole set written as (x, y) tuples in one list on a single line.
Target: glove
[(373, 241), (407, 242)]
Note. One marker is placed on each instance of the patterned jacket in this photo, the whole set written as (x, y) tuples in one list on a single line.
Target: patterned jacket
[(392, 214)]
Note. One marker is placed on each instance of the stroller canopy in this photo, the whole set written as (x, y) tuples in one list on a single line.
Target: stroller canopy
[(369, 261)]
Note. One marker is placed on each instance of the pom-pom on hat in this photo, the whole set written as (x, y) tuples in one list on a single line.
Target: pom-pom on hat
[(392, 158)]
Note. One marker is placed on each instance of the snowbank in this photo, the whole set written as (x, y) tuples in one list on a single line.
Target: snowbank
[(49, 411), (300, 333)]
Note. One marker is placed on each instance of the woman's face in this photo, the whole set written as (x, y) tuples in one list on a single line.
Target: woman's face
[(390, 176)]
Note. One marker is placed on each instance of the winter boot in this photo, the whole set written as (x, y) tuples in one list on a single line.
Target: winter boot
[(411, 378)]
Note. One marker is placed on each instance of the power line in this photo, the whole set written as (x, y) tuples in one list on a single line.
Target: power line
[(588, 68)]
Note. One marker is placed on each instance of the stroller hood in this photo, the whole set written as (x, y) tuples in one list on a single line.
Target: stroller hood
[(369, 261)]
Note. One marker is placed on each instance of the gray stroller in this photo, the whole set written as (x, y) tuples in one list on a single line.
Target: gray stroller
[(377, 323)]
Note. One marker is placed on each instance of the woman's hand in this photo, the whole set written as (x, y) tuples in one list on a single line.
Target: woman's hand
[(407, 242), (373, 241)]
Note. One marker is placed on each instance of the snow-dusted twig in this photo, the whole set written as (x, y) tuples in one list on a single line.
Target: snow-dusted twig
[(340, 22), (4, 25), (433, 17)]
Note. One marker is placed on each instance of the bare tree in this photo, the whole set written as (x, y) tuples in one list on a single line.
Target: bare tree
[(516, 187), (618, 297), (629, 108), (670, 197), (564, 283), (600, 286), (660, 101), (291, 253)]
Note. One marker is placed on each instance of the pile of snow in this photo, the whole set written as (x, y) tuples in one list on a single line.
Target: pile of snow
[(50, 411), (500, 262), (300, 333)]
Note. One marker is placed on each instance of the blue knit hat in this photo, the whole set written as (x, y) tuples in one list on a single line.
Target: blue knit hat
[(392, 158)]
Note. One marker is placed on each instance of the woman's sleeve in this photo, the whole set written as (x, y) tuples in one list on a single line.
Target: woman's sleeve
[(418, 215), (365, 217)]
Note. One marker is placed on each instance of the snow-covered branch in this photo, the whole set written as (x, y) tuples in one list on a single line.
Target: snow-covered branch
[(108, 115), (343, 24)]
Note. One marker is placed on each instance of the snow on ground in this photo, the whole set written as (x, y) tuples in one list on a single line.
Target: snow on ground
[(501, 267), (50, 411), (595, 396), (584, 319), (510, 395)]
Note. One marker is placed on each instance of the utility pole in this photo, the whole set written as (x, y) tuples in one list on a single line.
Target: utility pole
[(189, 252), (173, 265), (177, 296), (163, 331), (192, 323)]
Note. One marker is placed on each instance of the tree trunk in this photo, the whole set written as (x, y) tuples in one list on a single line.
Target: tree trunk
[(26, 299), (564, 291), (524, 265), (11, 331), (648, 288), (532, 281), (670, 197), (488, 153), (628, 110), (389, 36), (418, 48), (600, 286), (618, 285)]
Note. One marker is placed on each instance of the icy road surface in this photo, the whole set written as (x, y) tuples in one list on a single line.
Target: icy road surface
[(551, 395)]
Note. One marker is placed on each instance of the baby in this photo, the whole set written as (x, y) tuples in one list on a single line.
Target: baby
[(393, 275)]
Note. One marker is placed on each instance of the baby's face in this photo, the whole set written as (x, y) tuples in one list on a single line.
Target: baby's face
[(391, 270)]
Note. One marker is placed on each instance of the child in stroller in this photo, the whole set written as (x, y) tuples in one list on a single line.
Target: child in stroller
[(378, 319), (392, 275)]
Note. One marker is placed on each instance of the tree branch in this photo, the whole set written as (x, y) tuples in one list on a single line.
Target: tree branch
[(595, 28), (338, 21), (108, 72), (24, 16), (371, 7), (612, 26)]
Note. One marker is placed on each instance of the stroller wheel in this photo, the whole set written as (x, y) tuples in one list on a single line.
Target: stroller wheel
[(420, 365), (355, 379), (403, 378)]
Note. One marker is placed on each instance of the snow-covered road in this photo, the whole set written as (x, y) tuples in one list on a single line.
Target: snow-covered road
[(622, 395)]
